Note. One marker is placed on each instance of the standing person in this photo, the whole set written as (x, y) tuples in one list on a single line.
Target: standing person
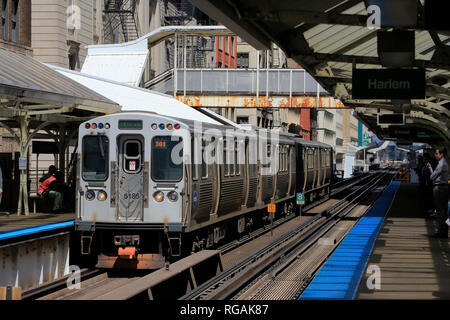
[(439, 178)]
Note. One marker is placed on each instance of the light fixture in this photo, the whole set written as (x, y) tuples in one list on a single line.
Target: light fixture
[(158, 196)]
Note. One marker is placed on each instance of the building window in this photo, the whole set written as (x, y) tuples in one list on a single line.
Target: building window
[(232, 46), (74, 49), (4, 20), (227, 49), (241, 120), (94, 20), (219, 64), (220, 43), (242, 60), (15, 22)]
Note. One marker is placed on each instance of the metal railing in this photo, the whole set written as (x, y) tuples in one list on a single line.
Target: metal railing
[(236, 81)]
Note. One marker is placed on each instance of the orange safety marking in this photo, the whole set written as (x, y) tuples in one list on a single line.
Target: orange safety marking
[(127, 252), (272, 208)]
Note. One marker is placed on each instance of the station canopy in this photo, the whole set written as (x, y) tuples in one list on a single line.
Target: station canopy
[(133, 98), (32, 90), (330, 38)]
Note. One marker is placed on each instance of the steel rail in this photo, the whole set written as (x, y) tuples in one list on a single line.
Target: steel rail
[(56, 285)]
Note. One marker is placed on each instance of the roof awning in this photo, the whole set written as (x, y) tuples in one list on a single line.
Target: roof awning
[(133, 98), (30, 88)]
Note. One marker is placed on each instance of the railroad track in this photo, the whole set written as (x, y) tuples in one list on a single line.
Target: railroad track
[(251, 270), (95, 282)]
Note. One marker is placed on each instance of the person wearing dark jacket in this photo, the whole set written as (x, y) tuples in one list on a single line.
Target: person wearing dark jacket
[(51, 171), (439, 177), (53, 187)]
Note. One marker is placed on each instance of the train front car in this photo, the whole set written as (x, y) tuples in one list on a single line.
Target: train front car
[(131, 187)]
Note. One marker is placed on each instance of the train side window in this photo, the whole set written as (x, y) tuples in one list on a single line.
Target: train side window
[(193, 161), (225, 159), (236, 158), (286, 163), (268, 155), (286, 158), (310, 159), (204, 164), (231, 158)]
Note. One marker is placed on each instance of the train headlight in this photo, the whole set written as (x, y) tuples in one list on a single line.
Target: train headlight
[(158, 196), (90, 195), (101, 196), (173, 196)]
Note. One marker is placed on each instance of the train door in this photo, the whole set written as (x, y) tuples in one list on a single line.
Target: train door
[(131, 178)]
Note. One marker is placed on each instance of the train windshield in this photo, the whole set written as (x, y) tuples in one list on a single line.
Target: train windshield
[(167, 158), (95, 158)]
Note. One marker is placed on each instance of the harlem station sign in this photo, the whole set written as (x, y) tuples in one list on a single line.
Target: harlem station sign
[(388, 84)]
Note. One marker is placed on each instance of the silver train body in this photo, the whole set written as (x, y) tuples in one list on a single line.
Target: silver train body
[(147, 193)]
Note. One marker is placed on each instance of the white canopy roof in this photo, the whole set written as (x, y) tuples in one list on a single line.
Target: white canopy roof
[(125, 62), (133, 98)]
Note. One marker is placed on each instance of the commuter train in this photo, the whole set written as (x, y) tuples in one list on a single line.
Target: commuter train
[(151, 188)]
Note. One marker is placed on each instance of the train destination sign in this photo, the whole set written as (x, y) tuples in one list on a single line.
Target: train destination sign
[(388, 84), (130, 124)]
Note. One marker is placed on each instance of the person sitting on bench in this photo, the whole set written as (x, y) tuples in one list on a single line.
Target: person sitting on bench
[(51, 171), (53, 188)]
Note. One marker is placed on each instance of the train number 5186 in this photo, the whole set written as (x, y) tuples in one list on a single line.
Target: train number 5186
[(130, 195)]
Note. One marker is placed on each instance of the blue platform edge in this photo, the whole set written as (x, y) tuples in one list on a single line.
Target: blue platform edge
[(32, 230), (339, 277)]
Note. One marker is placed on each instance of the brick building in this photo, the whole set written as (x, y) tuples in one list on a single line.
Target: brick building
[(15, 25), (226, 48)]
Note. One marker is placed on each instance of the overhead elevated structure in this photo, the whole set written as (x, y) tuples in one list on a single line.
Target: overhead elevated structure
[(330, 38), (125, 62)]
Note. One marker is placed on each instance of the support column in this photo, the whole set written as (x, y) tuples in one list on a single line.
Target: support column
[(62, 144), (23, 189)]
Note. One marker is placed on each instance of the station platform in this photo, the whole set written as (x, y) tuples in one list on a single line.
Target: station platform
[(412, 265), (392, 237), (14, 226)]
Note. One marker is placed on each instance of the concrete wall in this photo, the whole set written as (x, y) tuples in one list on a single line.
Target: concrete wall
[(34, 262), (50, 36)]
